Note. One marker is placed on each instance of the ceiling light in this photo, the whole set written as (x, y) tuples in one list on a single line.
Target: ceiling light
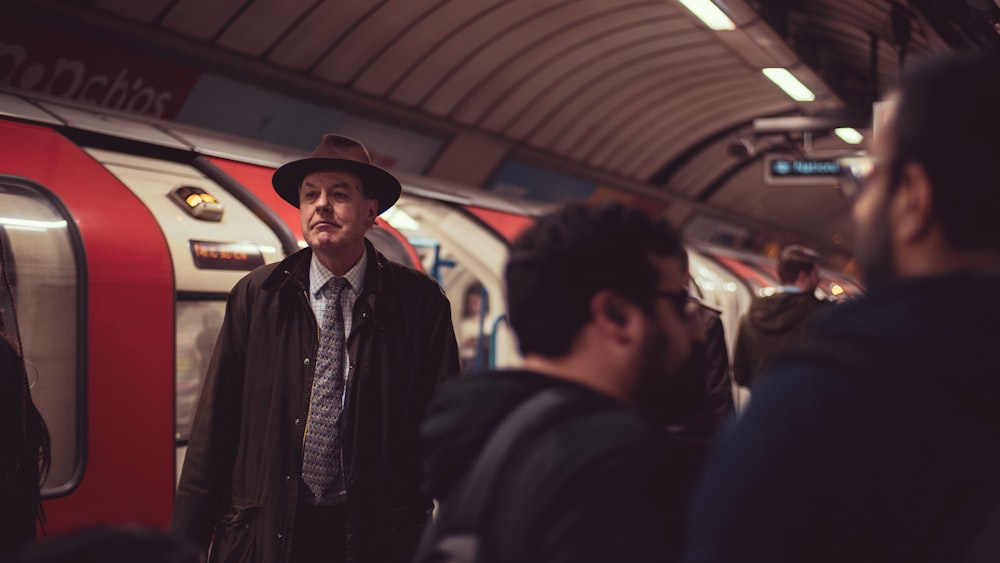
[(849, 135), (791, 85), (710, 14)]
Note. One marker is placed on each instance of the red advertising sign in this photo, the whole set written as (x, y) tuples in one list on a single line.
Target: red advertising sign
[(63, 65)]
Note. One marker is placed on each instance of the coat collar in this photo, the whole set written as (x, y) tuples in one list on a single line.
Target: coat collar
[(294, 271)]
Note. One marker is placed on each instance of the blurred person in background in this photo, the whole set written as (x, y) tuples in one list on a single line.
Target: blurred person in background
[(875, 437), (774, 321), (694, 437)]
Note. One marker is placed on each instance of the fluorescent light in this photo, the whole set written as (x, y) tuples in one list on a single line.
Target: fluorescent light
[(849, 135), (710, 14), (791, 85), (31, 224)]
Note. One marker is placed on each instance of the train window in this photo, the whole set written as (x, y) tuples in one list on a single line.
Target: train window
[(198, 323), (45, 268), (460, 252)]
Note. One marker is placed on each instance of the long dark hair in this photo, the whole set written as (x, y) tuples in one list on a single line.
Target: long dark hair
[(28, 448)]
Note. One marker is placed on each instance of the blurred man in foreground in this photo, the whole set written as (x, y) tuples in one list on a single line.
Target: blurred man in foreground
[(874, 439), (598, 300)]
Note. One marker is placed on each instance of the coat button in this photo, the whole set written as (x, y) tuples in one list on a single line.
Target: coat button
[(280, 535), (288, 478), (352, 482), (306, 361), (298, 421)]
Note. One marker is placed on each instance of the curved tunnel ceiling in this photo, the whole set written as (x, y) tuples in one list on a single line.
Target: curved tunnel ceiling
[(636, 90)]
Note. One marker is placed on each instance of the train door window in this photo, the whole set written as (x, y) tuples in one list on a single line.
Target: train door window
[(458, 251), (43, 261), (720, 288), (198, 324)]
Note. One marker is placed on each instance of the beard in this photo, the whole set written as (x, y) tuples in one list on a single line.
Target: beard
[(671, 398), (874, 250)]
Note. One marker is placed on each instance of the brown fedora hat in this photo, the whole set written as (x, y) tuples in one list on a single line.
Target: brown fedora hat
[(337, 152)]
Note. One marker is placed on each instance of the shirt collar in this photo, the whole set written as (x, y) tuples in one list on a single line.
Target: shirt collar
[(319, 275)]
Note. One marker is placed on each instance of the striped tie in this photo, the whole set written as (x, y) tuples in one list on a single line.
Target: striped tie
[(322, 469)]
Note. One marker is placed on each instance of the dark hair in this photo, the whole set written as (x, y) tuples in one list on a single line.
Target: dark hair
[(558, 264), (24, 440), (113, 545), (948, 120), (794, 259)]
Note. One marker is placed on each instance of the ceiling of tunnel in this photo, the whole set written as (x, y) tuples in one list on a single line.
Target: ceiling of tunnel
[(635, 92)]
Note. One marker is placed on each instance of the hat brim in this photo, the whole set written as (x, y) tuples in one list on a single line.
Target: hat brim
[(287, 179)]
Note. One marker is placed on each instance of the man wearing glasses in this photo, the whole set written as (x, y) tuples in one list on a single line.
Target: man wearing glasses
[(597, 298), (875, 437)]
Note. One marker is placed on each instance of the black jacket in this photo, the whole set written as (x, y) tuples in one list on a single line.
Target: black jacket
[(597, 487), (701, 428), (770, 325), (241, 475), (872, 439)]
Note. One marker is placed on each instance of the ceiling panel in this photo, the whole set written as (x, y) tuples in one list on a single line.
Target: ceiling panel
[(369, 36), (699, 117), (412, 46), (522, 39), (202, 20), (619, 72), (262, 24), (145, 12), (309, 39), (461, 44), (556, 51)]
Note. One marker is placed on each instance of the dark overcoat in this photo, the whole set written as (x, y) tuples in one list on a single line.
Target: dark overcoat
[(241, 476)]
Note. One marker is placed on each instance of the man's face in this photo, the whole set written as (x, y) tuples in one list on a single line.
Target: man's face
[(671, 332), (334, 211), (873, 234), (671, 367)]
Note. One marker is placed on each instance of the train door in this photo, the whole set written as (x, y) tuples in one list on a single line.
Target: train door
[(94, 299), (720, 288), (214, 240)]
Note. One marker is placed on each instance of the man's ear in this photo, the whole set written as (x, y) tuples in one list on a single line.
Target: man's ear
[(608, 309), (912, 206)]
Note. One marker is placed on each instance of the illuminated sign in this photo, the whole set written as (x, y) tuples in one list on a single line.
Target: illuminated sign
[(225, 255), (197, 202), (788, 171)]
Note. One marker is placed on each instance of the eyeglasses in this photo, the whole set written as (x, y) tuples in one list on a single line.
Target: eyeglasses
[(679, 299)]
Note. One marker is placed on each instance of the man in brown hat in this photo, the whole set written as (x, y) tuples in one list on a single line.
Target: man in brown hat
[(304, 445)]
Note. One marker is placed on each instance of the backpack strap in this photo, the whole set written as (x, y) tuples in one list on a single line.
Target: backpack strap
[(461, 515), (468, 501)]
